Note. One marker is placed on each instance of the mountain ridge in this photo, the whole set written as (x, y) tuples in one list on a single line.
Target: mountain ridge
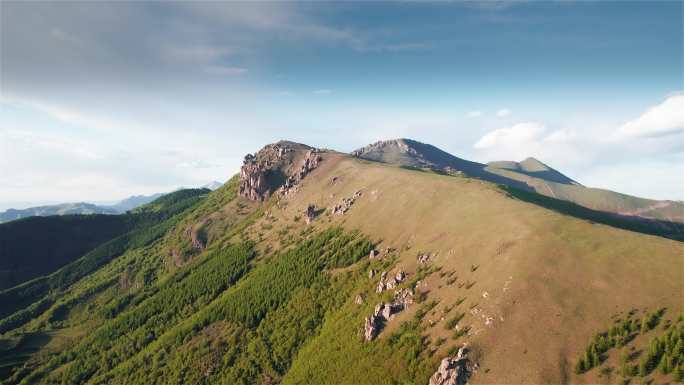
[(529, 174), (313, 266)]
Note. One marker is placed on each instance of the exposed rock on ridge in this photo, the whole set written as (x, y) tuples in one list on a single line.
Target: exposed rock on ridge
[(274, 167)]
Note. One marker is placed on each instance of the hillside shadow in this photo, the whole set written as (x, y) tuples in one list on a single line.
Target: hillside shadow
[(666, 229)]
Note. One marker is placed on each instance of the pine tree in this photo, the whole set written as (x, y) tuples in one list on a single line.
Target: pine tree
[(677, 375), (643, 366), (587, 360), (596, 357), (580, 367)]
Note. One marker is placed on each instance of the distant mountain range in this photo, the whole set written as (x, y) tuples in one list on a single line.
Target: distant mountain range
[(85, 208)]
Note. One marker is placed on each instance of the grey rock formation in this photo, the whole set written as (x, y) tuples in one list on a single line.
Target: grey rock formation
[(454, 370), (273, 168), (346, 203), (385, 312)]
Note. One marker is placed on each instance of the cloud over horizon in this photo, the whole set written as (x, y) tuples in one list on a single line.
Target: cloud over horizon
[(105, 99)]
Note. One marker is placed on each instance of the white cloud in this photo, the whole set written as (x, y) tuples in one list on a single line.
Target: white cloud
[(666, 118), (322, 91), (474, 114), (559, 147), (517, 134), (504, 112)]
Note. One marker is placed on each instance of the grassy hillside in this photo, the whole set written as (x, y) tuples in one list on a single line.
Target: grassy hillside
[(242, 292), (529, 175)]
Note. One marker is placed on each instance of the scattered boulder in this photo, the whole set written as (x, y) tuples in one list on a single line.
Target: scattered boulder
[(346, 203), (390, 283), (371, 273), (454, 370), (404, 297), (373, 253), (381, 287), (358, 300), (310, 213), (371, 327), (423, 259)]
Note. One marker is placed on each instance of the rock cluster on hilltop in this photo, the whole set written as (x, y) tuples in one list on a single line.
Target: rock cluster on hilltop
[(272, 168), (311, 160), (454, 370)]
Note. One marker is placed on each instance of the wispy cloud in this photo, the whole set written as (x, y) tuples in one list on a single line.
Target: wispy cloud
[(504, 112), (322, 91), (226, 70), (474, 114), (666, 118)]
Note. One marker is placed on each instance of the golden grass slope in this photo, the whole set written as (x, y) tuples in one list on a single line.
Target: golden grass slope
[(541, 283)]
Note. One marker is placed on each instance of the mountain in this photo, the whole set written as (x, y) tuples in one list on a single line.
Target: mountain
[(58, 209), (213, 185), (529, 175), (134, 201), (81, 208), (316, 267)]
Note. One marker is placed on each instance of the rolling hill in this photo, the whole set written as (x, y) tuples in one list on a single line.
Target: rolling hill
[(530, 174), (317, 267)]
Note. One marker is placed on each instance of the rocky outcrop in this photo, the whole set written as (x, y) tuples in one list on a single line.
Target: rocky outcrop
[(389, 283), (385, 312), (371, 327), (346, 203), (310, 162), (253, 180), (273, 168), (454, 370), (309, 213)]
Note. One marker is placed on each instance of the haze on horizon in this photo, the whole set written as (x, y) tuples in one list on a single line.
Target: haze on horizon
[(102, 100)]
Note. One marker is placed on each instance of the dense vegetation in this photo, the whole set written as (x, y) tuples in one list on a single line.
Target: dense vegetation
[(147, 225), (261, 321), (35, 246), (664, 352)]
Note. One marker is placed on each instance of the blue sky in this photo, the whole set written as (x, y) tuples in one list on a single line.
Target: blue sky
[(102, 100)]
